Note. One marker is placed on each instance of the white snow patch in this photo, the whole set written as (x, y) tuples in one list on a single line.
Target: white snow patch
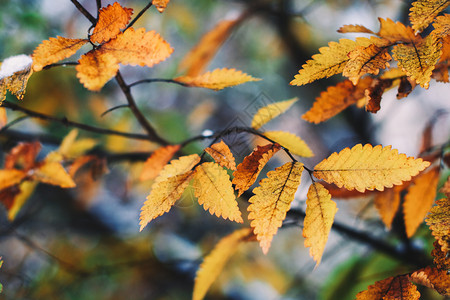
[(15, 64)]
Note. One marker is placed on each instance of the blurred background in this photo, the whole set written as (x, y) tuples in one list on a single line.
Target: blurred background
[(84, 243)]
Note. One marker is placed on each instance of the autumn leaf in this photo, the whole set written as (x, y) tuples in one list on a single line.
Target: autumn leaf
[(3, 117), (111, 20), (213, 189), (419, 199), (53, 173), (14, 74), (222, 155), (95, 69), (177, 167), (392, 288), (213, 264), (217, 79), (197, 59), (423, 12), (320, 211), (367, 168), (272, 200), (270, 112), (335, 99), (71, 148), (374, 93), (441, 258), (160, 4), (406, 86), (25, 190), (434, 278), (22, 156), (55, 49), (395, 32), (11, 177), (438, 220), (156, 162), (387, 203), (354, 28), (247, 172), (290, 141)]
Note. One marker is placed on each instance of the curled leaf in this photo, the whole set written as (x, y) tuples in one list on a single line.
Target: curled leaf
[(14, 74), (222, 155), (392, 288), (438, 220)]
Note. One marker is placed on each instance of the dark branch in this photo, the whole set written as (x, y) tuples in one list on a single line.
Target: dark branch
[(150, 80), (139, 15), (113, 109), (62, 64), (83, 10)]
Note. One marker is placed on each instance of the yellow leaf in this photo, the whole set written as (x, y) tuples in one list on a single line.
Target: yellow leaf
[(392, 288), (368, 168), (320, 211), (418, 60), (354, 28), (247, 172), (3, 117), (95, 69), (160, 4), (70, 147), (438, 220), (53, 173), (433, 278), (197, 59), (441, 258), (419, 199), (291, 142), (213, 189), (111, 20), (26, 189), (11, 177), (442, 26), (217, 79), (177, 167), (14, 74), (138, 48), (163, 196), (213, 264), (54, 50), (272, 200), (222, 155), (156, 162), (396, 32), (423, 12), (271, 111), (387, 203)]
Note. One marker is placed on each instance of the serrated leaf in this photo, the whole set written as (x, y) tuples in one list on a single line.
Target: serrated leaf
[(392, 288), (423, 12), (213, 264), (163, 196), (272, 200), (368, 168), (111, 20), (156, 162), (53, 173), (213, 189), (222, 155), (177, 167), (419, 199), (320, 212), (55, 49), (441, 258), (217, 79), (433, 278), (11, 177), (438, 220), (396, 32), (442, 26), (387, 203), (270, 112), (354, 28), (247, 172), (290, 141), (95, 69), (160, 4), (14, 74)]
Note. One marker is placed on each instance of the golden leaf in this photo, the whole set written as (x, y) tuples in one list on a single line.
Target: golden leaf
[(423, 12), (26, 188), (368, 168), (3, 117), (272, 200), (222, 155), (354, 28), (387, 203), (160, 4), (441, 258), (213, 264), (440, 73), (217, 79), (95, 69), (197, 59), (11, 177), (320, 211), (156, 162), (392, 288), (442, 26), (335, 99), (177, 167), (53, 173), (71, 147), (291, 142), (418, 60), (14, 74), (419, 199), (270, 112), (434, 278), (111, 20), (438, 220), (138, 48), (163, 196), (374, 93), (247, 172), (396, 32), (445, 56), (54, 50), (213, 189)]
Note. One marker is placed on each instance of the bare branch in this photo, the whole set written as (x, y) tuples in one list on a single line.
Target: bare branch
[(139, 14), (83, 10)]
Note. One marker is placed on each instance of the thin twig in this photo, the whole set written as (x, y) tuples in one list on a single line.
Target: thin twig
[(99, 6), (13, 122), (139, 14), (62, 64), (83, 10), (150, 80), (113, 109)]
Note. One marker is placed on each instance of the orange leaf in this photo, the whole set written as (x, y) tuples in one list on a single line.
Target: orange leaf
[(272, 200), (213, 189), (442, 26), (177, 167), (320, 211), (54, 50), (217, 79), (387, 203), (222, 155), (441, 258), (247, 172), (138, 48), (433, 278), (374, 92), (438, 220), (96, 69), (396, 32), (111, 20), (3, 117), (423, 12), (354, 28), (160, 4), (14, 74), (22, 156), (419, 199), (53, 173), (11, 177), (156, 162), (392, 288)]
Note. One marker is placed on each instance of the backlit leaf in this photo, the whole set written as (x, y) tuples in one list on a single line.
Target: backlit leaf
[(222, 155), (320, 211), (213, 189), (177, 167), (438, 220), (368, 168), (290, 141), (392, 288), (271, 111), (396, 32), (423, 12), (111, 20), (272, 200), (95, 69), (160, 4), (354, 28), (247, 172), (156, 162), (433, 278), (53, 173), (11, 177), (14, 74), (55, 49), (217, 79), (387, 203)]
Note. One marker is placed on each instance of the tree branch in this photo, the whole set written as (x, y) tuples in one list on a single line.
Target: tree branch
[(83, 10), (150, 80), (139, 14)]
